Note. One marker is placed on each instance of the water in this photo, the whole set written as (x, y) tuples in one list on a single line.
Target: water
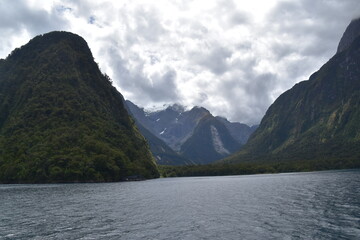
[(319, 205)]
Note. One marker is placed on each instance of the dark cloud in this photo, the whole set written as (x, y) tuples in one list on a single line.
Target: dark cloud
[(163, 87), (239, 18), (202, 97), (16, 16), (312, 26), (229, 13), (282, 49), (159, 87), (215, 59), (222, 55), (248, 96)]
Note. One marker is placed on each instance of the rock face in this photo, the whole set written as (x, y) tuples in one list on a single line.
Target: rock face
[(173, 125), (239, 131), (210, 141), (184, 132), (163, 154), (61, 120), (318, 118)]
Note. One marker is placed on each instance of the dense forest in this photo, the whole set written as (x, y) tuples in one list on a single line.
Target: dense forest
[(61, 120), (224, 169)]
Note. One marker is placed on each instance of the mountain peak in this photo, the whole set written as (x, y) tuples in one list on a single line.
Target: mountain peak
[(200, 109), (57, 37), (351, 32), (176, 107), (169, 107), (53, 42)]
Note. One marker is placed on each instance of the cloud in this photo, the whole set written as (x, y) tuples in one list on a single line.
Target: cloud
[(239, 18), (19, 15), (148, 25), (314, 27), (232, 57), (157, 85), (19, 21), (216, 59)]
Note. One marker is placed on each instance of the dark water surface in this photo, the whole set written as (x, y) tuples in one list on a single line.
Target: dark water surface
[(319, 205)]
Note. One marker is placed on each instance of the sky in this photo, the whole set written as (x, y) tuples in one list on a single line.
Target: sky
[(233, 57)]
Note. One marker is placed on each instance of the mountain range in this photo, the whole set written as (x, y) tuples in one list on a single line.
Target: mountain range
[(61, 120), (195, 135)]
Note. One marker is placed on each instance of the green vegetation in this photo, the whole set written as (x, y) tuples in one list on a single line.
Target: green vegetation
[(224, 169), (61, 120)]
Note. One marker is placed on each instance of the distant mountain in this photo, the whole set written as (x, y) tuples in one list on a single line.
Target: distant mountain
[(61, 120), (210, 141), (177, 128), (161, 151), (317, 119), (239, 131), (173, 125)]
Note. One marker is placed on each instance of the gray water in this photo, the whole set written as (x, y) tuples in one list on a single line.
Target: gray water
[(319, 205)]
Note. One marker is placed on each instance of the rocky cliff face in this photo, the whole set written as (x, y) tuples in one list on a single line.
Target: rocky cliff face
[(210, 141)]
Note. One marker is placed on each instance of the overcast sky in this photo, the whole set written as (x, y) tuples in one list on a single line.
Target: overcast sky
[(233, 57)]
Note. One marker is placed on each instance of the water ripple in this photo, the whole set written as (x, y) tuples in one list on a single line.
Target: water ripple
[(321, 205)]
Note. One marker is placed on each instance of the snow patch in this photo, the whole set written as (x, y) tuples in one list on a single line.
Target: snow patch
[(155, 109), (217, 143), (163, 132), (158, 119)]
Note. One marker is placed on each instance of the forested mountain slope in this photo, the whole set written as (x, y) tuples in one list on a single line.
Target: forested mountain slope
[(316, 119), (61, 120)]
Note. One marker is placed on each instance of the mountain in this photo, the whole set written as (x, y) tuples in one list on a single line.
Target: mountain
[(61, 120), (173, 125), (350, 34), (163, 154), (184, 130), (239, 131), (210, 141), (317, 119)]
